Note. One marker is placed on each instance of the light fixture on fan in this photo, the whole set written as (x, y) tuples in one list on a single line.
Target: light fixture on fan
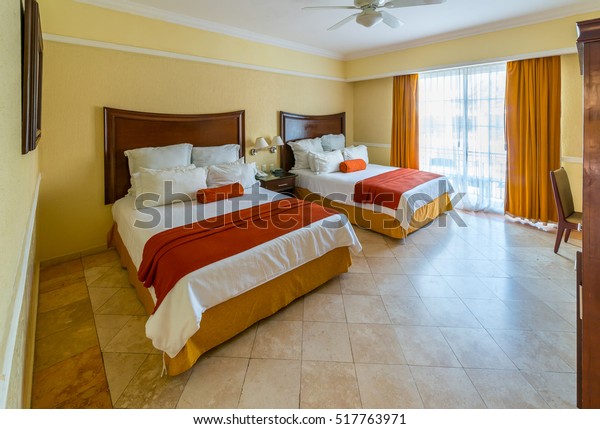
[(369, 14)]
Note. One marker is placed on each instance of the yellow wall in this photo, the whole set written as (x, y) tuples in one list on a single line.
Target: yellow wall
[(19, 173), (79, 81), (73, 19), (572, 125), (524, 41)]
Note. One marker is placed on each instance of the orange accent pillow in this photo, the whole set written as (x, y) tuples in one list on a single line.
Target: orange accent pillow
[(210, 195), (353, 165)]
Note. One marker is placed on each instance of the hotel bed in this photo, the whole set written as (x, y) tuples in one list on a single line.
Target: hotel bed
[(417, 207), (212, 304)]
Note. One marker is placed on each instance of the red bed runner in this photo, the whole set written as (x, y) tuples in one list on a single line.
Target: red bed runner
[(171, 254), (386, 189)]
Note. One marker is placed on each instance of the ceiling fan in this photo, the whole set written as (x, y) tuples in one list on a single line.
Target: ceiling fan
[(370, 14)]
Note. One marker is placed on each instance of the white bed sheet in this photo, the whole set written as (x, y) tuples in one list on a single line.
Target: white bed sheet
[(340, 187), (179, 315)]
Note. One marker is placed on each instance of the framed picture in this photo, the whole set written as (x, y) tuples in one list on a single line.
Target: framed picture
[(32, 59)]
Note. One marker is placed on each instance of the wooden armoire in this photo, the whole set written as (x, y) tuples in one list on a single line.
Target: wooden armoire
[(588, 327)]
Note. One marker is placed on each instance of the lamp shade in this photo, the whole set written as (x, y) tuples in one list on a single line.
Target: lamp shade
[(260, 143), (277, 141)]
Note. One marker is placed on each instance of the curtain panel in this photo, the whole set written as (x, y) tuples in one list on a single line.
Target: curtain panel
[(405, 122), (533, 109)]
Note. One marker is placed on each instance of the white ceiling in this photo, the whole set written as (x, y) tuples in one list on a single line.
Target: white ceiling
[(284, 23)]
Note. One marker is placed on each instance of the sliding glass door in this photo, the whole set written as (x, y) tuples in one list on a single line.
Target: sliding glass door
[(461, 123)]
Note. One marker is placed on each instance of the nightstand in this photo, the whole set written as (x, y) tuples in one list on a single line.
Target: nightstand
[(284, 184)]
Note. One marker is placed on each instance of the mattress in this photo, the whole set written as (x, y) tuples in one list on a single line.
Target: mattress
[(180, 314), (340, 187)]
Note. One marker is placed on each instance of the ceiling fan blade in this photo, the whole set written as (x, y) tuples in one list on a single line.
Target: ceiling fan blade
[(330, 7), (343, 21), (408, 3), (390, 20)]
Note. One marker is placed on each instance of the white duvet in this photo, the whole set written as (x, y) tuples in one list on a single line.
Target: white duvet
[(179, 315), (340, 187)]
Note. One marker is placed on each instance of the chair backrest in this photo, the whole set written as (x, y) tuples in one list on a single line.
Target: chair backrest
[(562, 192)]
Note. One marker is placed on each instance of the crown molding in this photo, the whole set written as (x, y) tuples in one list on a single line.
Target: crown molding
[(475, 31), (145, 51), (127, 6), (564, 51)]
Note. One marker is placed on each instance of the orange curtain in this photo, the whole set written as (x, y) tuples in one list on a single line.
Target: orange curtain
[(532, 137), (405, 122)]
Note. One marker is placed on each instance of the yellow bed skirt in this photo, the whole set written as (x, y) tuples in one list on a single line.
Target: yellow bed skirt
[(226, 320), (381, 222)]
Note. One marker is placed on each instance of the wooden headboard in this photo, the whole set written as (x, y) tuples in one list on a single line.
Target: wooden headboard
[(124, 129), (297, 127)]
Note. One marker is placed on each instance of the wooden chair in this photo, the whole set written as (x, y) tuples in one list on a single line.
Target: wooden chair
[(568, 218)]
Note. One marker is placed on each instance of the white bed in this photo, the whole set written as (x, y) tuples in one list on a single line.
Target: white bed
[(179, 315)]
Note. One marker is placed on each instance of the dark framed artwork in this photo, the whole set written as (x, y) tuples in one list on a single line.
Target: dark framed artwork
[(32, 60)]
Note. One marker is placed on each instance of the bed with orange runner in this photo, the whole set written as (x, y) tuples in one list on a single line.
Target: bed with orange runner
[(212, 270)]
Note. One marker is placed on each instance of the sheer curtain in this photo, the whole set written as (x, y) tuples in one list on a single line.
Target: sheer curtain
[(461, 119)]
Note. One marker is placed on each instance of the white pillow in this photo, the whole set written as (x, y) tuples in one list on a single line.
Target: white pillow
[(232, 172), (160, 187), (301, 149), (159, 158), (213, 155), (327, 162), (333, 142), (356, 152)]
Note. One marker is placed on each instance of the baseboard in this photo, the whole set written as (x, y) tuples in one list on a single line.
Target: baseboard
[(30, 342), (72, 256)]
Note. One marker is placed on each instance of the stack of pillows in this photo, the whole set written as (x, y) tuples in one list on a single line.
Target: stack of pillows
[(329, 154), (180, 172)]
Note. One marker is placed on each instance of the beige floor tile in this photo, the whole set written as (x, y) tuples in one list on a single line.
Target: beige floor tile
[(365, 309), (402, 251), (408, 311), (53, 283), (385, 266), (377, 250), (417, 266), (387, 387), (450, 312), (113, 277), (536, 315), (559, 390), (505, 389), (566, 310), (63, 317), (564, 344), (293, 311), (123, 302), (107, 258), (215, 382), (529, 352), (494, 314), (469, 287), (148, 389), (332, 286), (326, 342), (475, 348), (320, 307), (446, 388), (394, 284), (108, 326), (425, 346), (58, 298), (99, 296), (120, 369), (375, 344), (61, 270), (271, 383), (431, 287), (359, 265), (278, 340), (93, 274), (239, 346), (132, 338), (329, 385), (508, 289), (358, 284)]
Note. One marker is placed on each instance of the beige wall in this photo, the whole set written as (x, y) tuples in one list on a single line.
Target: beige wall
[(79, 81), (18, 178)]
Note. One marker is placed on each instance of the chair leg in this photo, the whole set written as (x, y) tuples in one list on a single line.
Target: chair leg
[(559, 235), (567, 235)]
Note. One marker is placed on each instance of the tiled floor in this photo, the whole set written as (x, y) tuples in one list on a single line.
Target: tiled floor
[(455, 317)]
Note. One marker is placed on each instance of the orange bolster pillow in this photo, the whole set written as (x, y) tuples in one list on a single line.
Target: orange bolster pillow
[(210, 195), (353, 165)]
